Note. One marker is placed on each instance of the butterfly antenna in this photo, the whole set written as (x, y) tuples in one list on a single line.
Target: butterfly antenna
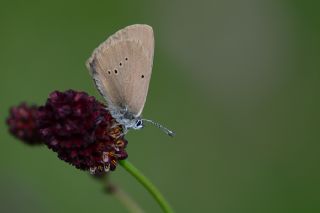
[(164, 129)]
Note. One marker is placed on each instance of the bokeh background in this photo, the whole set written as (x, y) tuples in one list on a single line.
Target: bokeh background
[(237, 80)]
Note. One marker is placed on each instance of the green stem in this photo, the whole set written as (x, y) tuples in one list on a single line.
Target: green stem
[(148, 185)]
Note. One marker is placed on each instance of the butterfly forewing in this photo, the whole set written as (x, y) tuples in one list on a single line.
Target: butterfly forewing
[(139, 32), (121, 67)]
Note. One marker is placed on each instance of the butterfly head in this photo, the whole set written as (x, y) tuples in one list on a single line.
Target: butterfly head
[(137, 123)]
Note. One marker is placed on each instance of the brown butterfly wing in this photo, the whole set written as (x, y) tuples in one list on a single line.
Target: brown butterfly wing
[(121, 67)]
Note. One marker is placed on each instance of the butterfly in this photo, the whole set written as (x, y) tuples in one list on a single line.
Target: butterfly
[(121, 68)]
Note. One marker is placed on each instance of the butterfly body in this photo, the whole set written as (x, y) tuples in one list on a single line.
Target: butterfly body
[(126, 118)]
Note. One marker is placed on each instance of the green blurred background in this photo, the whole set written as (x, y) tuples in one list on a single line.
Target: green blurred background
[(237, 80)]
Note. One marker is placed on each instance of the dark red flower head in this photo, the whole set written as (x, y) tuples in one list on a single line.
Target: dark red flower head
[(22, 123), (81, 131)]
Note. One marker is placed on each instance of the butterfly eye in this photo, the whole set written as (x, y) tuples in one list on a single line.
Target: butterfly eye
[(139, 123)]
